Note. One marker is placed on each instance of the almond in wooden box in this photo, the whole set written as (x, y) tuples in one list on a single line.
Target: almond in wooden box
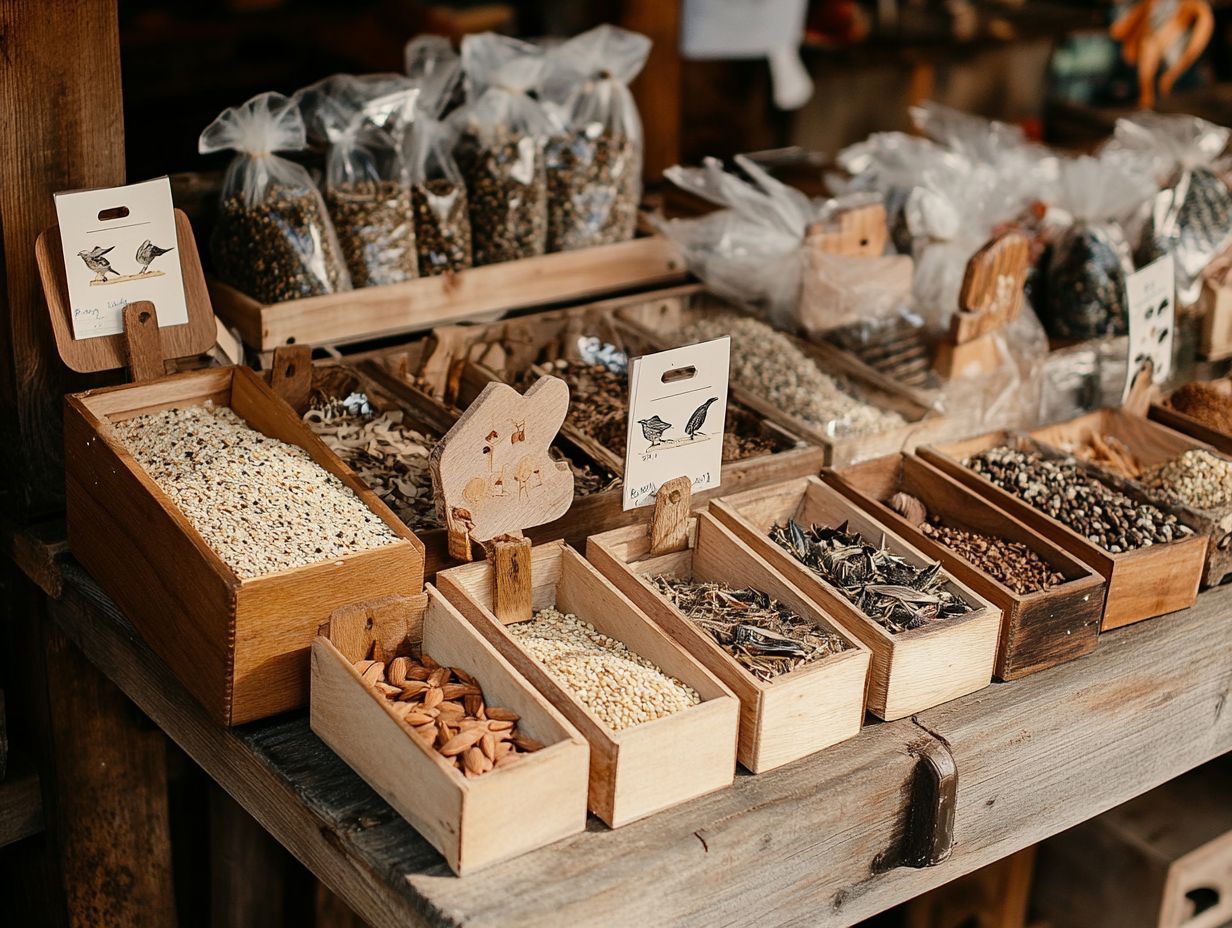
[(235, 631), (510, 802), (638, 768), (783, 717), (913, 668)]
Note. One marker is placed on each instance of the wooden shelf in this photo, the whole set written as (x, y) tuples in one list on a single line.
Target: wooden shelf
[(21, 801)]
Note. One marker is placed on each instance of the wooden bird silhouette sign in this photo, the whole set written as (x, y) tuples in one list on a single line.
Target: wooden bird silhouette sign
[(493, 473)]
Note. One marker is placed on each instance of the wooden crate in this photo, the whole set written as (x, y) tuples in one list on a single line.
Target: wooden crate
[(1215, 306), (1162, 860), (1142, 584), (472, 822), (789, 717), (661, 320), (642, 769), (1163, 412), (376, 312), (911, 671), (1038, 630), (1153, 443), (239, 646)]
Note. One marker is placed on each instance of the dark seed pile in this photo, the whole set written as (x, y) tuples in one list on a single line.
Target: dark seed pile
[(442, 226), (507, 188), (1086, 284), (594, 185), (375, 231)]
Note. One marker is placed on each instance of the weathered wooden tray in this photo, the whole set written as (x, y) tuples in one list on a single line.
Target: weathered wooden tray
[(642, 769), (1142, 584), (911, 671), (472, 822), (789, 717), (239, 646), (1038, 630)]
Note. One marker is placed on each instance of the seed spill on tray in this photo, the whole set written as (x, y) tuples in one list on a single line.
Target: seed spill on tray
[(263, 505), (621, 688), (765, 637), (1197, 479), (443, 708), (887, 588)]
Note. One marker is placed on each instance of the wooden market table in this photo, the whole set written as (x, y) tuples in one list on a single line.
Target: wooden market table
[(813, 843)]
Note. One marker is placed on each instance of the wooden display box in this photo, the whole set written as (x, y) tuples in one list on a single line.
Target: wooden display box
[(794, 714), (473, 822), (642, 769), (1153, 443), (1142, 584), (239, 646), (1163, 413), (661, 321), (1038, 630), (911, 671), (376, 312)]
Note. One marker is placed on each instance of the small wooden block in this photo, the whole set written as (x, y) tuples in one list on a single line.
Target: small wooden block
[(992, 292), (669, 526), (967, 359), (511, 578), (861, 232), (142, 342), (291, 375)]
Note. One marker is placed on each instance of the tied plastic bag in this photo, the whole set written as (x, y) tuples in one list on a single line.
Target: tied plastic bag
[(438, 190), (502, 132), (594, 160), (327, 104), (1192, 215), (1086, 268), (273, 239)]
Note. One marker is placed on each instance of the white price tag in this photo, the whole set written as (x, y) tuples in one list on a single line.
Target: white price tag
[(1151, 295)]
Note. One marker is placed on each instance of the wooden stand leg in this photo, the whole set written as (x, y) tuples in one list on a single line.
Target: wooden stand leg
[(511, 579), (247, 867)]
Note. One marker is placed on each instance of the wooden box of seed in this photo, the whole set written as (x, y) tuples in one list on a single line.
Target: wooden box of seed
[(374, 312), (1131, 447), (913, 668), (639, 768), (1142, 583), (1202, 410), (857, 413), (238, 643), (476, 805), (1050, 616), (788, 708)]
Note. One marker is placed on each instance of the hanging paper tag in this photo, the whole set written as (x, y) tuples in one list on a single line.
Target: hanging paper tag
[(677, 412), (119, 247), (1151, 294)]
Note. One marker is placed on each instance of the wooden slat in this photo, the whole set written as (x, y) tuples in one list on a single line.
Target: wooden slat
[(21, 802)]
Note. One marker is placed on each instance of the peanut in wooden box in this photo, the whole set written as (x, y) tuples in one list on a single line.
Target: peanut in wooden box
[(641, 769), (473, 822), (1142, 583), (911, 671), (794, 714), (1152, 444), (1038, 630), (239, 646)]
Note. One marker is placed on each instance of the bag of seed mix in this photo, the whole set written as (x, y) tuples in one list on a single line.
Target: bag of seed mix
[(1192, 215), (502, 131), (438, 190), (594, 161), (273, 239)]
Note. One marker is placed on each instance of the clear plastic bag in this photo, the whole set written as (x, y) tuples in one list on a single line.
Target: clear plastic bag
[(594, 160), (502, 131), (273, 239), (328, 104), (1192, 215), (438, 190)]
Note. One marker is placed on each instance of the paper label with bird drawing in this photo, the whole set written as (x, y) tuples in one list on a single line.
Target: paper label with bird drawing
[(677, 414), (120, 247)]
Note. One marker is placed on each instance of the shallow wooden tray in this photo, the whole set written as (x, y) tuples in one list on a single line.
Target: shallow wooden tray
[(1038, 630), (239, 646), (911, 671), (473, 822), (1142, 584), (375, 312), (789, 717), (642, 769), (1163, 413)]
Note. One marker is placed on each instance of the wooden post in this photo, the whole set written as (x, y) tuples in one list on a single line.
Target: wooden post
[(247, 868), (511, 578), (659, 87), (669, 526), (142, 341), (291, 375)]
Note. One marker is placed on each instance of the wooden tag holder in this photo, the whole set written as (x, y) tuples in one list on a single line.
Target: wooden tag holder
[(858, 232), (991, 298), (494, 476), (669, 525)]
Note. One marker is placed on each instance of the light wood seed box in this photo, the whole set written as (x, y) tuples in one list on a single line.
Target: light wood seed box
[(794, 714), (1142, 584), (239, 646), (1153, 443), (1038, 630), (639, 770), (911, 671), (473, 822), (1163, 412)]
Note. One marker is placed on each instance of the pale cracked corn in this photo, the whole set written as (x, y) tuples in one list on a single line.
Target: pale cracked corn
[(621, 688), (263, 505)]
